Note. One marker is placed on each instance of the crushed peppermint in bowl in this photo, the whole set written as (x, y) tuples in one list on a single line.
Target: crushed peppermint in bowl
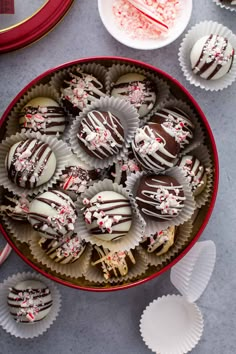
[(145, 24)]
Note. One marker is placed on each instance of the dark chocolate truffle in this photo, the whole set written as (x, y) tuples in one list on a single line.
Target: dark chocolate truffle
[(101, 134), (52, 214), (212, 57), (30, 163), (113, 264), (81, 90), (136, 89), (160, 198), (160, 242), (176, 123), (44, 115), (195, 173), (154, 148), (29, 301), (108, 215)]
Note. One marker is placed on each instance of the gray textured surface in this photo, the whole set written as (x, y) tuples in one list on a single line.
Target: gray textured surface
[(108, 323)]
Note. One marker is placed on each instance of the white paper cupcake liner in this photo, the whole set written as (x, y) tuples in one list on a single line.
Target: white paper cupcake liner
[(182, 237), (225, 5), (21, 230), (60, 149), (95, 275), (200, 30), (203, 155), (134, 235), (97, 70), (73, 270), (24, 330), (129, 119), (162, 88), (184, 215), (171, 325), (192, 273), (198, 137), (12, 126)]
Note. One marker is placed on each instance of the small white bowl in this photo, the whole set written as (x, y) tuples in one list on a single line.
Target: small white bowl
[(107, 17)]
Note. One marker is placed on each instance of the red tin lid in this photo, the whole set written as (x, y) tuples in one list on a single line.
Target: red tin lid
[(22, 23)]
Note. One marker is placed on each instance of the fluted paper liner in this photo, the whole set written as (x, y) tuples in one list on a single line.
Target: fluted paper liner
[(21, 230), (182, 237), (125, 243), (171, 325), (198, 135), (12, 126), (225, 5), (97, 70), (184, 215), (198, 31), (25, 330), (192, 273), (60, 149), (123, 110), (162, 88), (95, 275), (203, 155), (73, 270)]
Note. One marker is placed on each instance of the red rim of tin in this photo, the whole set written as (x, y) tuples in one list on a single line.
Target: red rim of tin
[(216, 174), (35, 27)]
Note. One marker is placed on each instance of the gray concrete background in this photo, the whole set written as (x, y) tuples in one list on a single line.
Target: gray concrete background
[(94, 323)]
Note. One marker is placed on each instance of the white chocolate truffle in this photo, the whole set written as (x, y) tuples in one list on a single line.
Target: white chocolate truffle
[(108, 215), (30, 163), (29, 301), (52, 214), (212, 57), (138, 90), (44, 115)]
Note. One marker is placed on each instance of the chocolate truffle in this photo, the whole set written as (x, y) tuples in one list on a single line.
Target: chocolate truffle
[(29, 301), (176, 123), (113, 264), (160, 242), (138, 90), (75, 179), (155, 149), (123, 168), (30, 163), (52, 214), (161, 198), (64, 251), (195, 173), (212, 57), (101, 134), (16, 207), (80, 90), (44, 115), (108, 215)]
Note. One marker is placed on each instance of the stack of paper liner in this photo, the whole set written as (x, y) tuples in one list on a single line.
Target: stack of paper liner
[(173, 324)]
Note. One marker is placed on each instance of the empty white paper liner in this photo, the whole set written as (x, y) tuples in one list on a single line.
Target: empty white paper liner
[(123, 110), (225, 5), (193, 272), (171, 325), (134, 235), (200, 30), (24, 330)]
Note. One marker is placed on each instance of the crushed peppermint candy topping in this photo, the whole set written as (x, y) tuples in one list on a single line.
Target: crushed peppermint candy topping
[(65, 217), (138, 25), (71, 246), (147, 144), (137, 92), (169, 203), (215, 52), (179, 128), (20, 208), (75, 179), (129, 165), (100, 137), (35, 117)]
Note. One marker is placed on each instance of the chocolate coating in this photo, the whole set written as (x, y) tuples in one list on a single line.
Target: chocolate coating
[(159, 197), (154, 148), (44, 115), (52, 214), (108, 215), (176, 123), (16, 207), (136, 89), (160, 242), (80, 90), (101, 134), (212, 57), (29, 301), (30, 163)]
